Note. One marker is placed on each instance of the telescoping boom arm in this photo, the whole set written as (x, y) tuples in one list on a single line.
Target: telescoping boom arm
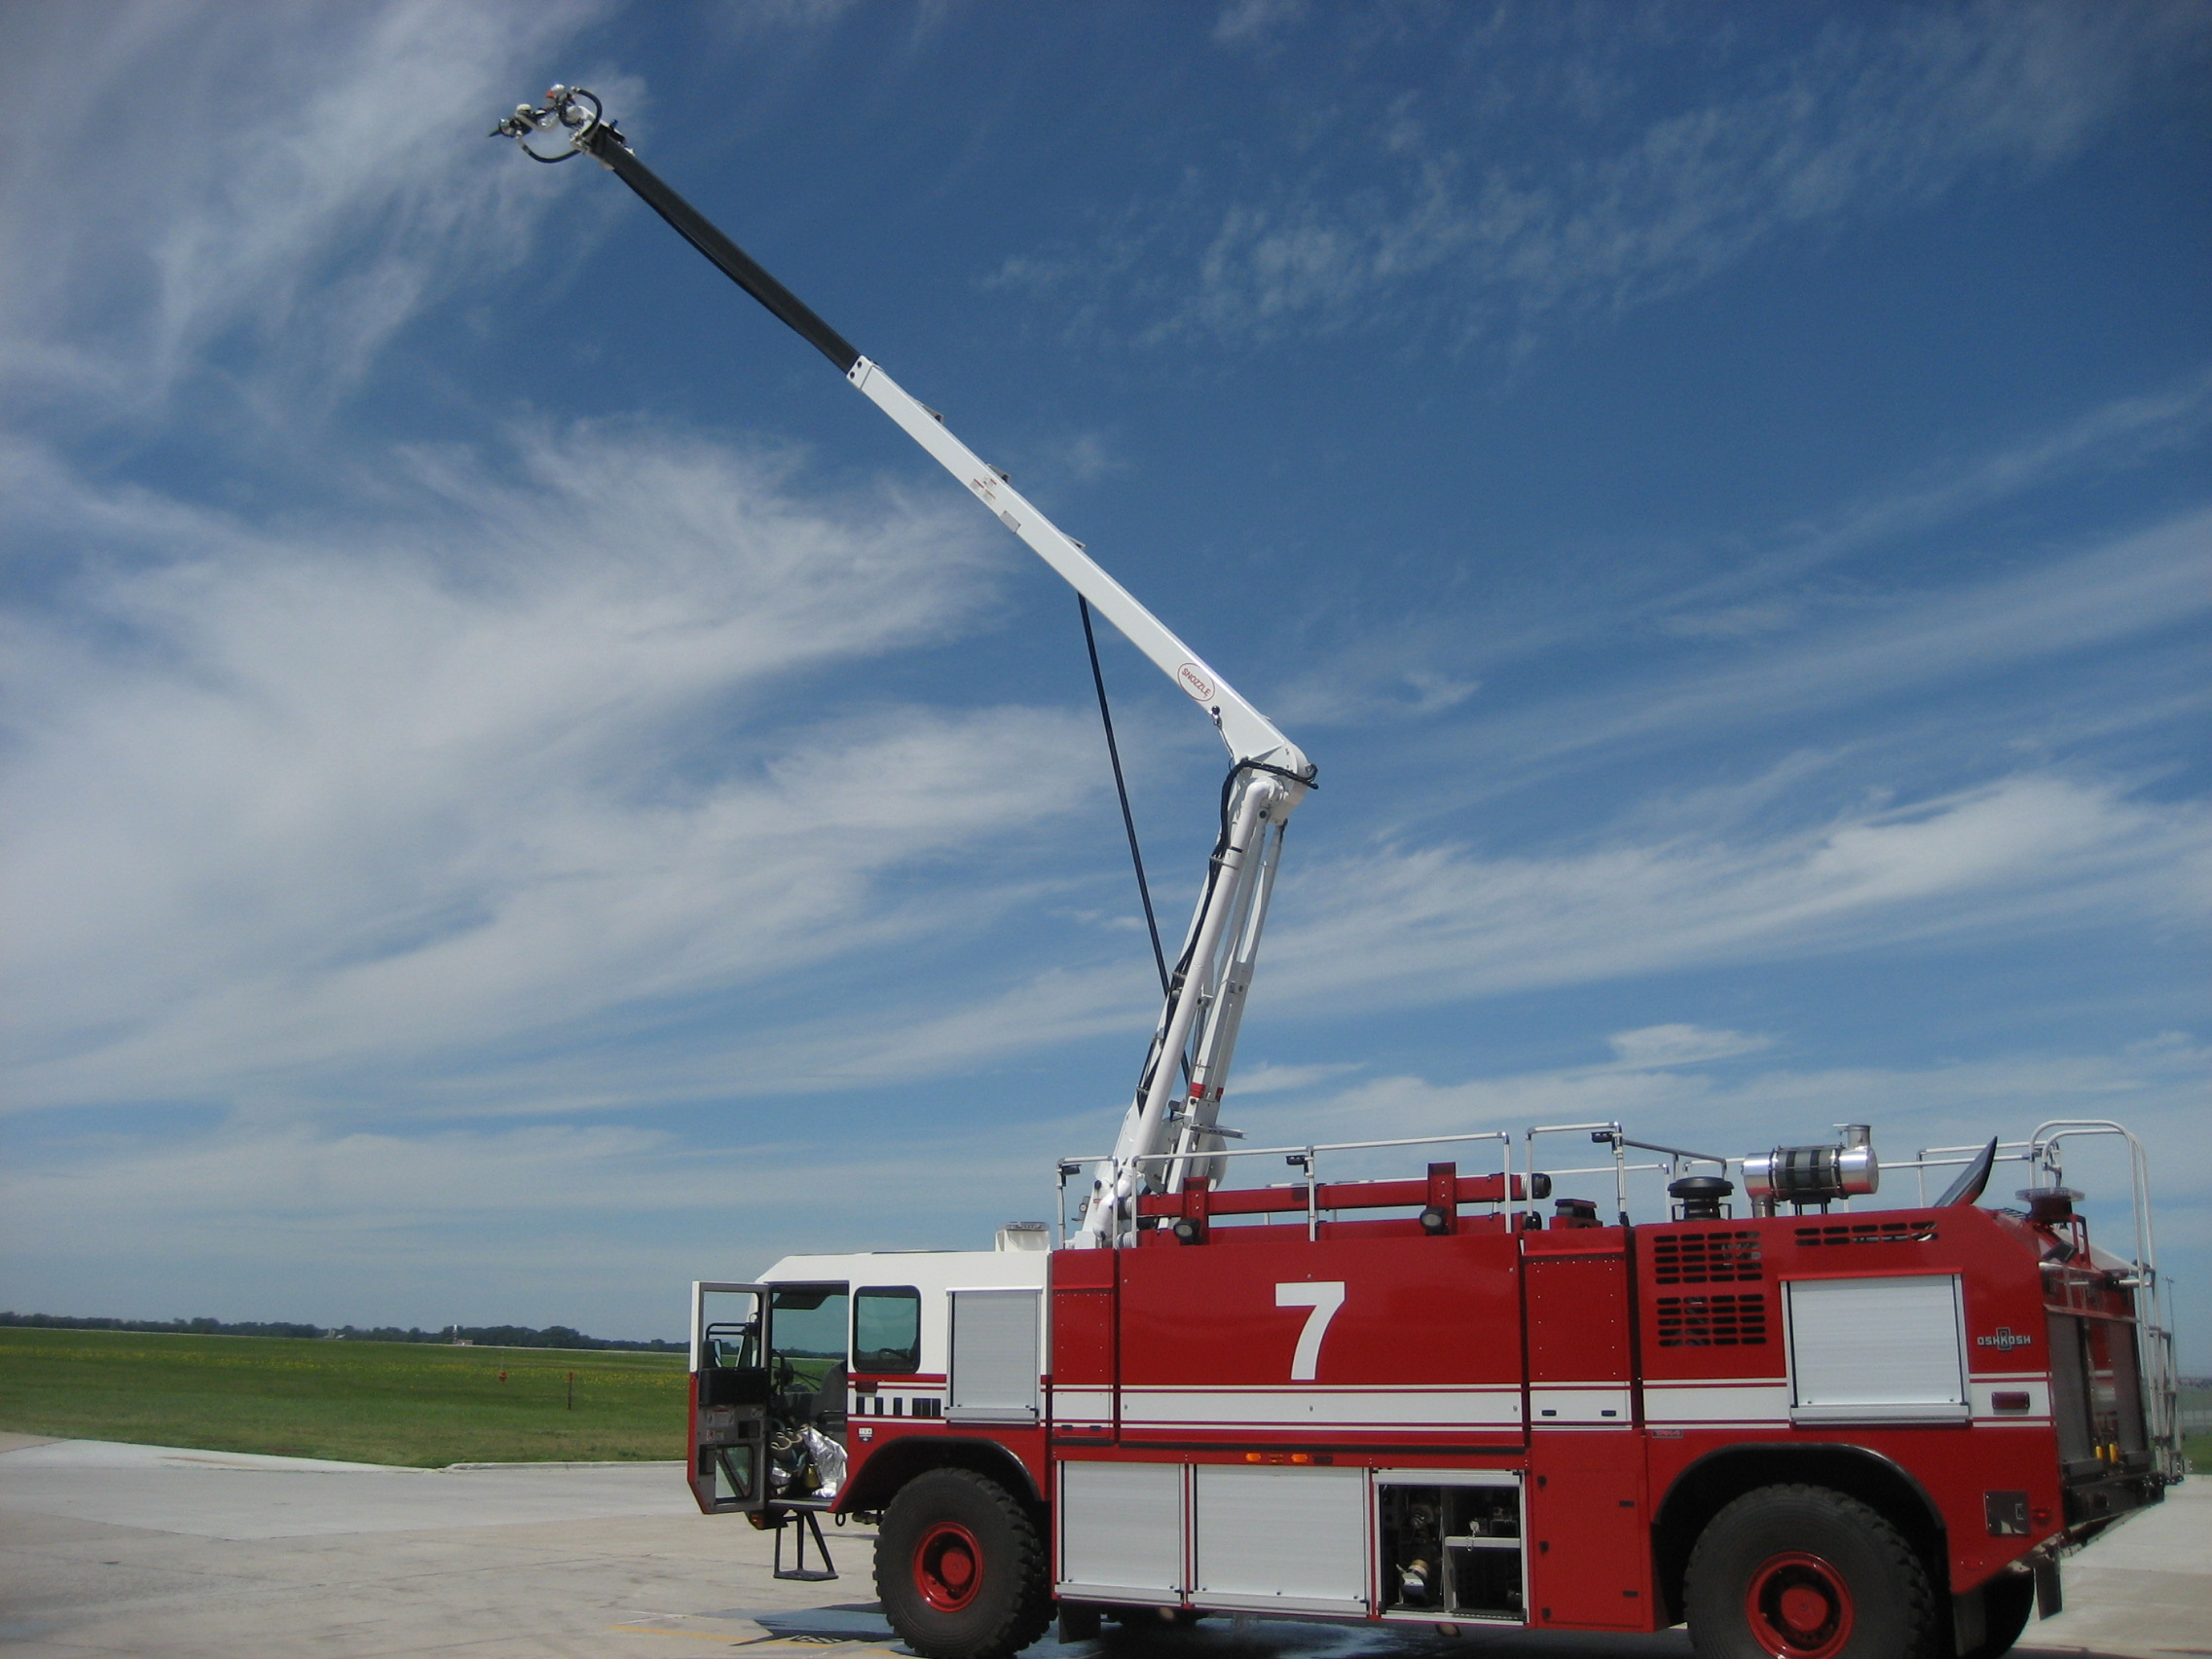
[(1171, 1124)]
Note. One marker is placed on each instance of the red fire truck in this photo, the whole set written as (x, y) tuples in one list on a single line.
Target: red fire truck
[(1442, 1399), (1809, 1430)]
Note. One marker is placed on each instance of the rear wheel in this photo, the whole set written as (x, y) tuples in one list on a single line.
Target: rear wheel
[(2006, 1601), (1803, 1573), (959, 1568)]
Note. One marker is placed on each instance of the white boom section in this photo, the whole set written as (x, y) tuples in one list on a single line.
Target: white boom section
[(1250, 734), (1159, 1146), (1198, 1028), (1205, 1005)]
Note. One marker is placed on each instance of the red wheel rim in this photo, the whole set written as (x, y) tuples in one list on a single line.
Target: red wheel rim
[(948, 1566), (1799, 1606)]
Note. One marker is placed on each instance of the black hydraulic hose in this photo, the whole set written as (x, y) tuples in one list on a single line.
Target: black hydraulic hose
[(1122, 789), (732, 261)]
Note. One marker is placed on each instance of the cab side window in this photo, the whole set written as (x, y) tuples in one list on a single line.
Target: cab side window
[(887, 1330)]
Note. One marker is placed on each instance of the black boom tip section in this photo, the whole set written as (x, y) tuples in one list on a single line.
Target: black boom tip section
[(732, 261)]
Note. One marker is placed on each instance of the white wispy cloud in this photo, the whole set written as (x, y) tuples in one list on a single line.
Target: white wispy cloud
[(1374, 682), (2107, 439), (1437, 207), (2142, 585), (278, 192), (513, 755), (1438, 922), (1249, 22), (1270, 1079), (1893, 591), (1679, 1044), (1707, 882), (537, 746), (2157, 1084)]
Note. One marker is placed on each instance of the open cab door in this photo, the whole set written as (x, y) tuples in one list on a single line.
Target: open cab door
[(730, 1394), (769, 1369)]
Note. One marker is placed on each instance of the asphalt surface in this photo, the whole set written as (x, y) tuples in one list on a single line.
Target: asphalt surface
[(139, 1550)]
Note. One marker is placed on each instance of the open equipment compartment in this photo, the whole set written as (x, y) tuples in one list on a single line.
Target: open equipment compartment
[(1450, 1545)]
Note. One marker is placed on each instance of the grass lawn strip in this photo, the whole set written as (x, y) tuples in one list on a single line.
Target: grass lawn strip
[(415, 1405)]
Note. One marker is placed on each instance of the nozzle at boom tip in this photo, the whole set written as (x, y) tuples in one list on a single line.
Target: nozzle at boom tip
[(573, 111)]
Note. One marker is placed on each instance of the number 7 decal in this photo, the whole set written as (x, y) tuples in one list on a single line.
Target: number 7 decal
[(1324, 1300)]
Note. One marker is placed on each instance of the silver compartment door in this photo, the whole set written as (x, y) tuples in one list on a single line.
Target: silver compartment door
[(1122, 1533), (1876, 1349), (1295, 1540)]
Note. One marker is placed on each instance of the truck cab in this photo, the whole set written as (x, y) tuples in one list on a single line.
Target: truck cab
[(802, 1378)]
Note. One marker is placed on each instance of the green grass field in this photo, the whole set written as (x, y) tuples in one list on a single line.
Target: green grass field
[(418, 1404)]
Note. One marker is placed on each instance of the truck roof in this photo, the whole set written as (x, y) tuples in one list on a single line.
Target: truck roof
[(937, 1270)]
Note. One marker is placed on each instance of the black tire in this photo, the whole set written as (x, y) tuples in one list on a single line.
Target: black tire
[(1803, 1573), (2006, 1601), (959, 1568)]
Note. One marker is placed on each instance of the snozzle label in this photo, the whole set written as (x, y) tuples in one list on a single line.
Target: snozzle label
[(1194, 682), (2006, 1337)]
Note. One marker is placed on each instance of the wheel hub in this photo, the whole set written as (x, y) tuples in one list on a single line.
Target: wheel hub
[(948, 1566), (1798, 1606)]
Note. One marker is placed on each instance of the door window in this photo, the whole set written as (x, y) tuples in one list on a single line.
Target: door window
[(729, 1330), (806, 1339)]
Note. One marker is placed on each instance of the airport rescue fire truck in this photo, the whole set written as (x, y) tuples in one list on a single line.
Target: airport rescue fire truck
[(1446, 1398)]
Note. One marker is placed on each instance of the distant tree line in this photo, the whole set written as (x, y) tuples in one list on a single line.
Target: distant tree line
[(483, 1336)]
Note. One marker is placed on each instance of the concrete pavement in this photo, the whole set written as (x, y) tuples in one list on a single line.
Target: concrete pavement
[(2143, 1590), (132, 1550), (239, 1497)]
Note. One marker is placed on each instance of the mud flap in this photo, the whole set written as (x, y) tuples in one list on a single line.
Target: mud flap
[(2050, 1597)]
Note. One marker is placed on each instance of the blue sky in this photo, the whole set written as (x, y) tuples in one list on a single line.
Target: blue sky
[(522, 790)]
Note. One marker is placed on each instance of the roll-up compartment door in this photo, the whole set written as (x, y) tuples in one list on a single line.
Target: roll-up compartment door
[(994, 1355), (1294, 1539), (1876, 1349), (1122, 1533)]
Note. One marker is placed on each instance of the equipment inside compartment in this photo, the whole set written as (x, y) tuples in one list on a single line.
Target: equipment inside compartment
[(1451, 1551)]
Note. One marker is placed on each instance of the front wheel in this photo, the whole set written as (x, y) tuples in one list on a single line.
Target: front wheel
[(1803, 1573), (959, 1568)]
